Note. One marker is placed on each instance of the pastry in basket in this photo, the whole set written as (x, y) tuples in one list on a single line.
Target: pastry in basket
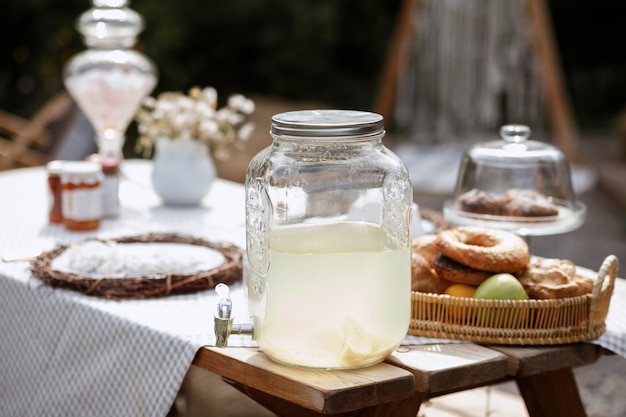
[(484, 249), (514, 202), (554, 278), (513, 308), (465, 255), (426, 246), (454, 272), (423, 278)]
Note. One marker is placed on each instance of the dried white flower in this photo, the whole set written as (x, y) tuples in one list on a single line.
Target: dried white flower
[(195, 115)]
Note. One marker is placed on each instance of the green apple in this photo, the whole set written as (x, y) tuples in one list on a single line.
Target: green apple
[(501, 287)]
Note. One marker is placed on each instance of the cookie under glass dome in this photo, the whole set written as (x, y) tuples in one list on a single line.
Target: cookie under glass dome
[(515, 184)]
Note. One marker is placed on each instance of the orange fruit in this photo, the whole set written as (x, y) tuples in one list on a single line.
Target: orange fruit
[(463, 291), (460, 290)]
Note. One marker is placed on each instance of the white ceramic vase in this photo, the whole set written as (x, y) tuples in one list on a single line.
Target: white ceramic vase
[(183, 171)]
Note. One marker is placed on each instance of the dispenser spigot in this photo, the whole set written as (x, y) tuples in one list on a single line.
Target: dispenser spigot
[(223, 319)]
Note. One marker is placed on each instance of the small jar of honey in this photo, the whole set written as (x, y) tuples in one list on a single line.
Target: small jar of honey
[(110, 184), (55, 201), (82, 195)]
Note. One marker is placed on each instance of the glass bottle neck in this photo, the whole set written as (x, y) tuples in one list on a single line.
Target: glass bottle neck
[(321, 149), (110, 24), (375, 140), (110, 143), (110, 45)]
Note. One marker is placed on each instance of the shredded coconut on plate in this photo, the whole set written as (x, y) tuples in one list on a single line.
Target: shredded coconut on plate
[(97, 259)]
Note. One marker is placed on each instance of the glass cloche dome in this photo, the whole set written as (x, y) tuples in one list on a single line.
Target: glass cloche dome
[(515, 184)]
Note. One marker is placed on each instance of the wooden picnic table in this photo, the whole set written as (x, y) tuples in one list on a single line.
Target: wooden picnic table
[(411, 375)]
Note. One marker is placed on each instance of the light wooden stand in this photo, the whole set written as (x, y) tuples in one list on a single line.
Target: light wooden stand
[(564, 130)]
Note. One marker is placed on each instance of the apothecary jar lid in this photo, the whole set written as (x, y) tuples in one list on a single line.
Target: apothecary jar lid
[(515, 183), (110, 23), (327, 125)]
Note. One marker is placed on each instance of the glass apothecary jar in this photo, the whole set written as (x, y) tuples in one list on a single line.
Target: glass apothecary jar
[(109, 79), (328, 266)]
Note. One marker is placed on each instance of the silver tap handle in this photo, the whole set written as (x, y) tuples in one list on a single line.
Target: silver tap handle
[(223, 320), (223, 317)]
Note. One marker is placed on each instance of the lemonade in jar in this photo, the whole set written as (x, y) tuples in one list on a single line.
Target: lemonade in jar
[(328, 241)]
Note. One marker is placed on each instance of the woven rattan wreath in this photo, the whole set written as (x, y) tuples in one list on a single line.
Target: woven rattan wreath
[(144, 287)]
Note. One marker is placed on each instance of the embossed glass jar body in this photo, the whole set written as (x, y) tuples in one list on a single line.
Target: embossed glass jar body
[(328, 241)]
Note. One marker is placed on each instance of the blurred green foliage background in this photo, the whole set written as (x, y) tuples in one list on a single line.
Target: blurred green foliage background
[(328, 51), (325, 50)]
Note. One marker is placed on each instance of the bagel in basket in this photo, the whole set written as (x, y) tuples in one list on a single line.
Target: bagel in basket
[(484, 249), (465, 255), (469, 255)]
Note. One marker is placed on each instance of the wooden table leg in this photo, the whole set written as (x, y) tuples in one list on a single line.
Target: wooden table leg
[(404, 408), (552, 394)]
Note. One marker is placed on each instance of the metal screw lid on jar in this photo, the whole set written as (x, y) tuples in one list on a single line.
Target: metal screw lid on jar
[(327, 125), (81, 172), (55, 168)]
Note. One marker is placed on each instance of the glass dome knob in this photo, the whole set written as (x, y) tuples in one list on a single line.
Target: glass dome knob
[(110, 3), (515, 133)]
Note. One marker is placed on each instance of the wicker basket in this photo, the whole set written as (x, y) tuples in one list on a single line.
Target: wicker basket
[(511, 322)]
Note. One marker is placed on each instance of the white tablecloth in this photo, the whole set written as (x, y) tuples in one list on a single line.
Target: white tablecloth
[(66, 354)]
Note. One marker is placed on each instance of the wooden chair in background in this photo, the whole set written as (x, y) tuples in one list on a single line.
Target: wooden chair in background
[(29, 142)]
